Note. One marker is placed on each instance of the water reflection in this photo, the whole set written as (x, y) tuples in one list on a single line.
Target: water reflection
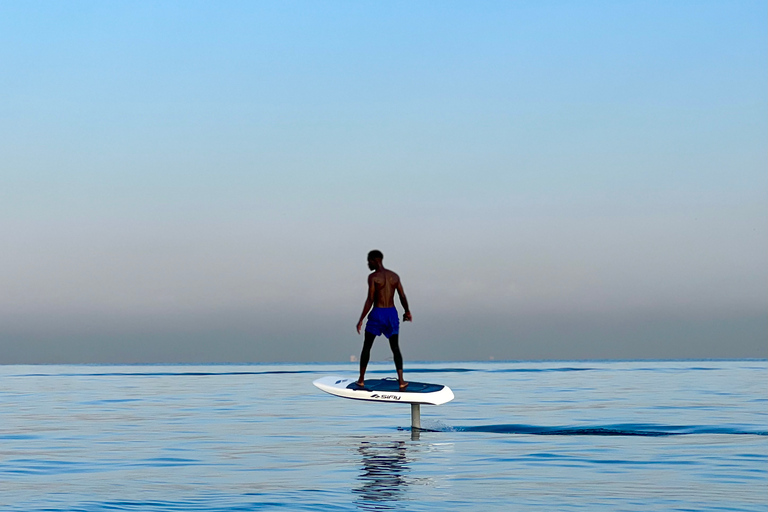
[(383, 475)]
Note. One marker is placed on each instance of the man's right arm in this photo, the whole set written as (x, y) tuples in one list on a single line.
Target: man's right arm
[(368, 303)]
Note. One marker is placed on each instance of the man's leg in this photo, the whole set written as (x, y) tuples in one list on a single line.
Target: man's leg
[(365, 356), (398, 357)]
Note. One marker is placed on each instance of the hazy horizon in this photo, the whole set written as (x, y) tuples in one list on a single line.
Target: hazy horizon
[(552, 181)]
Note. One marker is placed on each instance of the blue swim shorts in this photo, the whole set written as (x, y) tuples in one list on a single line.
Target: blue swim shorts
[(383, 321)]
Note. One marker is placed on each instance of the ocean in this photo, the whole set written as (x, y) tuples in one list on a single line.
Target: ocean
[(532, 436)]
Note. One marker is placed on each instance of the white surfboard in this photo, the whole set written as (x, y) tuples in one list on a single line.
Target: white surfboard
[(385, 390)]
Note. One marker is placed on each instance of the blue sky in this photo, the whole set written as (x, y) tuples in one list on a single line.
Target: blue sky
[(200, 181)]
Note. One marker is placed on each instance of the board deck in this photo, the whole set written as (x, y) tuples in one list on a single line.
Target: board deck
[(385, 390)]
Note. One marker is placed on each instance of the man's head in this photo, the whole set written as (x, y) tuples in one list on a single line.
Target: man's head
[(374, 259)]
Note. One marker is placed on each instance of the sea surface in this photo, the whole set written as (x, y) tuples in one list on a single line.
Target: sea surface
[(532, 436)]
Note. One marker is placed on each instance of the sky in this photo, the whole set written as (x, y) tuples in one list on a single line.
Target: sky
[(195, 182)]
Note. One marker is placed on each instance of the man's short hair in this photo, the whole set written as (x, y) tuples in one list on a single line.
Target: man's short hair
[(375, 255)]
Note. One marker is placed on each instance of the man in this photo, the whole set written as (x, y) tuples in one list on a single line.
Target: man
[(382, 285)]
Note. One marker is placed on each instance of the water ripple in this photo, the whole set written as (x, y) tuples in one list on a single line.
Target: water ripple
[(607, 430)]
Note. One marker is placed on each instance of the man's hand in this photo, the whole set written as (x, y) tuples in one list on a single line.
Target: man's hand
[(407, 317), (359, 326)]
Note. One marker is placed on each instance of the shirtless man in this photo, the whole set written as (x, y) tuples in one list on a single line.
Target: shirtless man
[(382, 285)]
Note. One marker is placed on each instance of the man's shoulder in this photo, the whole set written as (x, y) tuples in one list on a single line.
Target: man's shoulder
[(383, 274), (392, 275)]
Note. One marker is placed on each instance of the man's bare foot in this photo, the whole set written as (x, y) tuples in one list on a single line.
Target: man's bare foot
[(361, 385), (403, 385)]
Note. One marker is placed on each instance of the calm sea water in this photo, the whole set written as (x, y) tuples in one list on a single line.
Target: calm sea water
[(543, 436)]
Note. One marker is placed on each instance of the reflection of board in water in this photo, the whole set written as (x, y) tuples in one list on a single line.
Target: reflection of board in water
[(383, 475)]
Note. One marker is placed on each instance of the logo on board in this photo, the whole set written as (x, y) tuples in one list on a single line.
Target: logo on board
[(386, 397)]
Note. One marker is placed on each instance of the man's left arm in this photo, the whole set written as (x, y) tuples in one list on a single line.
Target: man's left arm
[(404, 301)]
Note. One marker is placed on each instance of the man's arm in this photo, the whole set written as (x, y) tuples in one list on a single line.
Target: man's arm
[(368, 302), (404, 301)]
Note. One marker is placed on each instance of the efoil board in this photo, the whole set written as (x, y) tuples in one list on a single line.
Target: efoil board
[(385, 390)]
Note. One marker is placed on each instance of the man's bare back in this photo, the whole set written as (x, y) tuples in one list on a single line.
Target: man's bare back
[(382, 285), (385, 283)]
